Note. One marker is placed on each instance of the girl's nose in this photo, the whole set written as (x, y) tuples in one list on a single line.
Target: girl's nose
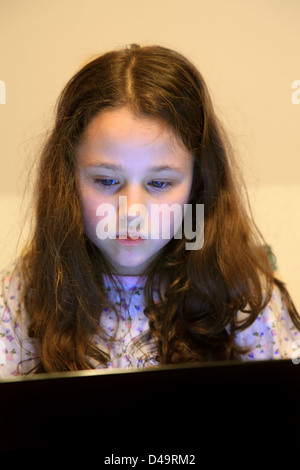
[(135, 194), (132, 206), (129, 201)]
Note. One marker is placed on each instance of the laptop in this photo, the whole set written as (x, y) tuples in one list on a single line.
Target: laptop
[(188, 409)]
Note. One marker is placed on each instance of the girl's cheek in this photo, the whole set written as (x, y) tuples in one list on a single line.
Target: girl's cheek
[(92, 220), (89, 206)]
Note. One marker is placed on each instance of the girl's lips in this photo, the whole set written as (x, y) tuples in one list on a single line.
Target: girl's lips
[(130, 241)]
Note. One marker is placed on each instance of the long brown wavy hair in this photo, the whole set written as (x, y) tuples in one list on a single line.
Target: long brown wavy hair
[(63, 290)]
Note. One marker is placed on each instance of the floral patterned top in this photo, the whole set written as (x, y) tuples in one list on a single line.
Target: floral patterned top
[(271, 336)]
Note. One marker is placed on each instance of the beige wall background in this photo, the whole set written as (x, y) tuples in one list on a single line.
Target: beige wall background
[(248, 51)]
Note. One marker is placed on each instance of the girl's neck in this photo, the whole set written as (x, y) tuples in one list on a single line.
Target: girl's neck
[(127, 280)]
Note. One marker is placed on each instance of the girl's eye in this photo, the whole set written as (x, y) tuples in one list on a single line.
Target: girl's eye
[(160, 184), (107, 182)]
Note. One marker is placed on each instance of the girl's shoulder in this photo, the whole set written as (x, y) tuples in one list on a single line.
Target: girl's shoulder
[(15, 347), (273, 335), (10, 290)]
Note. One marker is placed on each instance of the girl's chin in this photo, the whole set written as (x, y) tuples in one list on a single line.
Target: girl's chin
[(131, 266)]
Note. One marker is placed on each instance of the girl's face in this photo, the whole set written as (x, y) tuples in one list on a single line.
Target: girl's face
[(140, 159)]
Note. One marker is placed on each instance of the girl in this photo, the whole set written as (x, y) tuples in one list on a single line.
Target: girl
[(137, 125)]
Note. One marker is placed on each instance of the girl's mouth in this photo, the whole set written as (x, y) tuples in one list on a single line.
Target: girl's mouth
[(134, 241)]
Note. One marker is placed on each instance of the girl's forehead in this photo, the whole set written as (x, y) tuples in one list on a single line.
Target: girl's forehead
[(123, 121), (120, 133)]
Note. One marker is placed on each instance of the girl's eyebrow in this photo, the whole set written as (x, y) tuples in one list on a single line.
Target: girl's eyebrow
[(155, 169)]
